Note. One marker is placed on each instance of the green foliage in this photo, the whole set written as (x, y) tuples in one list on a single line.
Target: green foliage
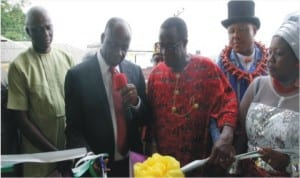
[(12, 20)]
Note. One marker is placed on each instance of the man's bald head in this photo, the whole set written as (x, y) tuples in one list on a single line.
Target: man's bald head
[(115, 41), (34, 14), (39, 28), (116, 24)]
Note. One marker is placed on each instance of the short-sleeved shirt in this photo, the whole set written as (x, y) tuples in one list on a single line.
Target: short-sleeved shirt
[(36, 85)]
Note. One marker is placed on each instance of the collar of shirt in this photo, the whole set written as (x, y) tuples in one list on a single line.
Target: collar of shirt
[(103, 65), (241, 58)]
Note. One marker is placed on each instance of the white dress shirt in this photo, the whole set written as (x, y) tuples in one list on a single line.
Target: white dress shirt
[(242, 60), (106, 75)]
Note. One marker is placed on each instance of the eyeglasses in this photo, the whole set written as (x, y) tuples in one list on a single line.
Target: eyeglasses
[(169, 47)]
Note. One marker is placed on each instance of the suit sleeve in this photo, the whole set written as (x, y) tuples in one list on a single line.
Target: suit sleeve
[(141, 113), (74, 134)]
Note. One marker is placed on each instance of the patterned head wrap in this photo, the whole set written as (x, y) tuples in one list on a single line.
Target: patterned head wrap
[(289, 31)]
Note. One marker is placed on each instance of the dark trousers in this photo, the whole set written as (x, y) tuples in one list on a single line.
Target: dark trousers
[(118, 168)]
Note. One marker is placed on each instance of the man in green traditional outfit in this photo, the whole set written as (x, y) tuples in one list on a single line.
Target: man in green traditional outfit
[(36, 92)]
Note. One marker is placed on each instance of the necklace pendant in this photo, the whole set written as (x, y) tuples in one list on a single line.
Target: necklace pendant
[(196, 106), (173, 109)]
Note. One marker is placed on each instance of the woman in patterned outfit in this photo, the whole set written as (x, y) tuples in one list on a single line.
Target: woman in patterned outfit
[(270, 108)]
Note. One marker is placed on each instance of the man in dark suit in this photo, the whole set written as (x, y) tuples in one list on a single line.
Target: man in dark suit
[(90, 107)]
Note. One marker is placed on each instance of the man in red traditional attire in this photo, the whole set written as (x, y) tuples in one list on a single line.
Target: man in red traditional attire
[(184, 92)]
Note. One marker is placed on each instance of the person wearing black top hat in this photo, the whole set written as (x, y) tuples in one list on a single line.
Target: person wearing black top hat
[(244, 58)]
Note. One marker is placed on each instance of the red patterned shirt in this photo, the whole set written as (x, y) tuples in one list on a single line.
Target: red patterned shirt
[(183, 104)]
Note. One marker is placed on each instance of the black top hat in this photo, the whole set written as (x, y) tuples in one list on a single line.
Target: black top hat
[(241, 11)]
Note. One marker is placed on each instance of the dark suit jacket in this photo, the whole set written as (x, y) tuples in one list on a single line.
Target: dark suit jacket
[(89, 122)]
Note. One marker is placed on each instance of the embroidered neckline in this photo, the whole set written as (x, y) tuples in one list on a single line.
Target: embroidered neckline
[(240, 74)]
